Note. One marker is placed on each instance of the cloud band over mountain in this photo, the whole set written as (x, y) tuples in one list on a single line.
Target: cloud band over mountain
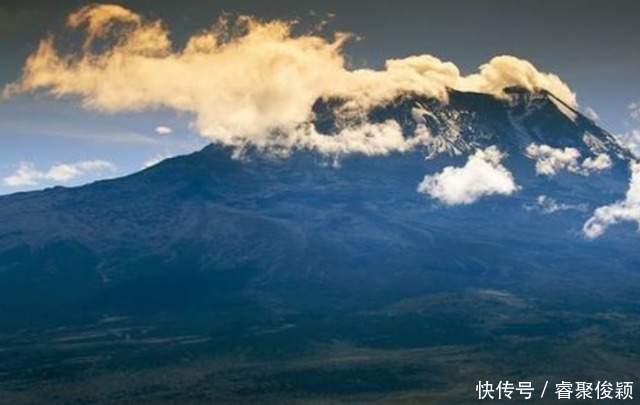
[(244, 80)]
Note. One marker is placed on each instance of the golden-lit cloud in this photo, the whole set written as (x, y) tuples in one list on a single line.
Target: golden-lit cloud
[(245, 80), (99, 19)]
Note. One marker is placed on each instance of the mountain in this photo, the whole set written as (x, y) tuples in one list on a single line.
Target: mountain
[(213, 278)]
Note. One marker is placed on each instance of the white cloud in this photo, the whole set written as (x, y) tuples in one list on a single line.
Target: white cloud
[(548, 205), (483, 175), (367, 139), (163, 130), (634, 111), (245, 81), (549, 160), (28, 175), (591, 114), (631, 139), (624, 210), (596, 164)]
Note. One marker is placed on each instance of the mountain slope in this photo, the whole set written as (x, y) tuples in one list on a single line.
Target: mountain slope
[(278, 257), (207, 211)]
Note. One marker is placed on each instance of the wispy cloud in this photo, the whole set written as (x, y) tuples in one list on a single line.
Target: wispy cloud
[(548, 205), (483, 175), (155, 160), (634, 110), (27, 174), (591, 114), (75, 132), (163, 130)]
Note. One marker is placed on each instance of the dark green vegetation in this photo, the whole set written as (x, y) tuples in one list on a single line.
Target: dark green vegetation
[(429, 349)]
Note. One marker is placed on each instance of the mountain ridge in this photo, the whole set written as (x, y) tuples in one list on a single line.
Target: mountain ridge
[(232, 209), (205, 267)]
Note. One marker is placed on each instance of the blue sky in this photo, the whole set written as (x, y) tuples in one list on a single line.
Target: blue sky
[(589, 44)]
